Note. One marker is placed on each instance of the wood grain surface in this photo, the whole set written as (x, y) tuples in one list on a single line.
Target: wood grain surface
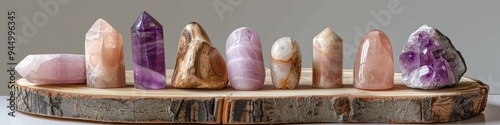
[(304, 104)]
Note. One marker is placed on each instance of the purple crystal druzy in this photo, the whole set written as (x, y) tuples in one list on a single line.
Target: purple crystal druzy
[(430, 61), (147, 53), (245, 63)]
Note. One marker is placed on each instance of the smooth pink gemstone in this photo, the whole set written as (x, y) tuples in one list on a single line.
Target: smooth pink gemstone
[(374, 64), (53, 68), (245, 63)]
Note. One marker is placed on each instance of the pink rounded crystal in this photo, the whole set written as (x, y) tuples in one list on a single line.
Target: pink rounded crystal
[(244, 60), (374, 63)]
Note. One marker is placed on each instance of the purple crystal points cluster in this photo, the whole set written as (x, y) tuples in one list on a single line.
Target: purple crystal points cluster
[(430, 61), (147, 53)]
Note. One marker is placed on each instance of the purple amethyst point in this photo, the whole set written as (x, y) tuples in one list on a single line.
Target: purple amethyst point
[(147, 53)]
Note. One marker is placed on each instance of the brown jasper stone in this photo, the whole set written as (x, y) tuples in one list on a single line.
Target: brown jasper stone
[(199, 64)]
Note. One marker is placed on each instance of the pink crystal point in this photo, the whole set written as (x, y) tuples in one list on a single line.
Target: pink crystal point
[(286, 63), (104, 56), (374, 64), (245, 63), (53, 68), (327, 60)]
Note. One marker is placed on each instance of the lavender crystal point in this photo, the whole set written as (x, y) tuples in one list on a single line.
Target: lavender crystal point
[(430, 61), (147, 53)]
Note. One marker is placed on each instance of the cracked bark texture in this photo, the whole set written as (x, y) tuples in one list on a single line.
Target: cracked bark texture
[(118, 108), (345, 109), (265, 106)]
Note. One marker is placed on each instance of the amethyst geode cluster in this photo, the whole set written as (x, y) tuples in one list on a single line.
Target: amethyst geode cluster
[(430, 61)]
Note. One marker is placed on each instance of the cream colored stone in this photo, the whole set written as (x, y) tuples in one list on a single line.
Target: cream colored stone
[(327, 60), (286, 63)]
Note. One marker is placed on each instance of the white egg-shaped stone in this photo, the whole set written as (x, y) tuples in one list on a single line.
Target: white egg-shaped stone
[(286, 63)]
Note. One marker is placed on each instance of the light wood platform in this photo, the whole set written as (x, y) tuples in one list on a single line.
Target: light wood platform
[(268, 105)]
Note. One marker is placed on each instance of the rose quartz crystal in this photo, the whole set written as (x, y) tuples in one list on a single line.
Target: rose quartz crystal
[(374, 64), (53, 68)]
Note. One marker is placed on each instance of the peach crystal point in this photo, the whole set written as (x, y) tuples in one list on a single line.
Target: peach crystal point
[(104, 56)]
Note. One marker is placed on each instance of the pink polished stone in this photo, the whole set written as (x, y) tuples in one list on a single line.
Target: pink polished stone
[(245, 63), (53, 68), (374, 64)]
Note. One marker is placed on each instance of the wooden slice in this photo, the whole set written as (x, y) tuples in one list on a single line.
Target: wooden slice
[(268, 105)]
